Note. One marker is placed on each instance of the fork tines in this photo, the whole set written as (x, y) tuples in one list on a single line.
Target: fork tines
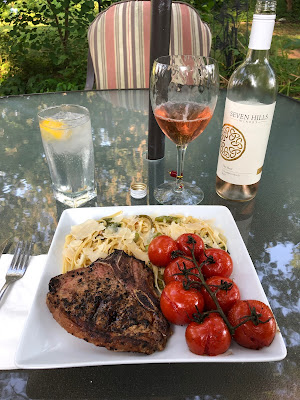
[(21, 256)]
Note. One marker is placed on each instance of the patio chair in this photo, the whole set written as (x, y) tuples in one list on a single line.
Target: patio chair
[(119, 43)]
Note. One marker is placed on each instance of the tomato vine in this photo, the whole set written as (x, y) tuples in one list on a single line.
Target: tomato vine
[(187, 283)]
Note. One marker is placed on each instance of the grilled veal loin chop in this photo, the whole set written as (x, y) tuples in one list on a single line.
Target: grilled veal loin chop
[(112, 303)]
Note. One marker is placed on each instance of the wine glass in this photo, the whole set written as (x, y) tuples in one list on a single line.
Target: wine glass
[(183, 92)]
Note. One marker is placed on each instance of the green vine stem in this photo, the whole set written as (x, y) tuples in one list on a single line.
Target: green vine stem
[(187, 284)]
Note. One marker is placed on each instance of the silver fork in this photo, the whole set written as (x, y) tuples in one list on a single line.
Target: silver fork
[(18, 265)]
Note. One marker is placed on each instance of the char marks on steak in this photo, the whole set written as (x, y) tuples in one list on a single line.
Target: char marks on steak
[(112, 303)]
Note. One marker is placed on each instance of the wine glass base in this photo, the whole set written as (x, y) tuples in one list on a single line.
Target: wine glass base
[(190, 195)]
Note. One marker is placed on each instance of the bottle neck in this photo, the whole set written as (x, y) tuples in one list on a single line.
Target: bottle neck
[(260, 56)]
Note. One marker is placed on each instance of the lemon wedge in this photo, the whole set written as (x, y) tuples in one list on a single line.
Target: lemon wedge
[(57, 130)]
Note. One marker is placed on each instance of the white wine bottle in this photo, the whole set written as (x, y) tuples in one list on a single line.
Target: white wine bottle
[(249, 109)]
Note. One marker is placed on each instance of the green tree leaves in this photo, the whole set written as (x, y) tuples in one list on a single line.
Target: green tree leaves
[(45, 38)]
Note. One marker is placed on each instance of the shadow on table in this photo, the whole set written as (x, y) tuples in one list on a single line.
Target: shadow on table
[(152, 381)]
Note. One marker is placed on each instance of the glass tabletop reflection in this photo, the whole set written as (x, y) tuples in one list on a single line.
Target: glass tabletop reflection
[(269, 225)]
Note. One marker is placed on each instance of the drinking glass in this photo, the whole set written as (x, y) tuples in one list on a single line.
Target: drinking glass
[(183, 92), (67, 139)]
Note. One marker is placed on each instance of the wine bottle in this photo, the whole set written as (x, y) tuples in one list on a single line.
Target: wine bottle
[(249, 109)]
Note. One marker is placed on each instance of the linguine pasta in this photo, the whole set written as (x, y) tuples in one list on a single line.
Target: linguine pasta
[(95, 239)]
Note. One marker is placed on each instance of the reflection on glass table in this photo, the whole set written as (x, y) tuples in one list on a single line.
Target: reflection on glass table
[(269, 227)]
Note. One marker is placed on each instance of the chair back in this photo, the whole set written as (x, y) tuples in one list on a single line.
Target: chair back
[(119, 43)]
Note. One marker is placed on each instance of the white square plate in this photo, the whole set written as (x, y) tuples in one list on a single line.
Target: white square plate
[(45, 344)]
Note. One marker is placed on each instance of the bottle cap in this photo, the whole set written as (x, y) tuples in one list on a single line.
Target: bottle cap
[(138, 190), (262, 31)]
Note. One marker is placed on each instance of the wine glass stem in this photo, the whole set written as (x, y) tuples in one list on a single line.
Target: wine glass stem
[(180, 162)]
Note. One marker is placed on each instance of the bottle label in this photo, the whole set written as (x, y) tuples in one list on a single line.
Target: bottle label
[(245, 134)]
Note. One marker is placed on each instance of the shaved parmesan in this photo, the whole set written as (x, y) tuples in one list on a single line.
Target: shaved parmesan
[(68, 252), (86, 229), (93, 255), (176, 230), (137, 252)]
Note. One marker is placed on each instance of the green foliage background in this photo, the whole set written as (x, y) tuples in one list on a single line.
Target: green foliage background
[(43, 44)]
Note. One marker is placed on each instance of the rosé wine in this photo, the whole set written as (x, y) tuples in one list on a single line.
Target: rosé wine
[(182, 122)]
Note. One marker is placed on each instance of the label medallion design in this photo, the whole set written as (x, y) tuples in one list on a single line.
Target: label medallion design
[(233, 143)]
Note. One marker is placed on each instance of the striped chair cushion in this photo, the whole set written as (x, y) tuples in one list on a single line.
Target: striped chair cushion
[(119, 42)]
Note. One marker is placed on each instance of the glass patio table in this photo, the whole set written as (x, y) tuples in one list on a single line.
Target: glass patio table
[(269, 225)]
